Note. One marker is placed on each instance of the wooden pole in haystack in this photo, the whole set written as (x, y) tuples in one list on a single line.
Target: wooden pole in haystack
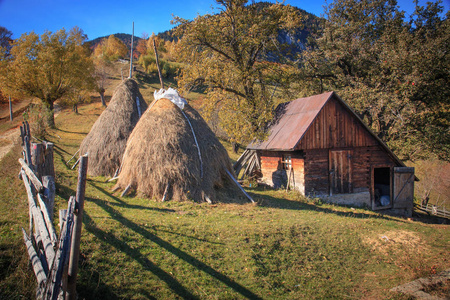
[(131, 54), (78, 223), (157, 63)]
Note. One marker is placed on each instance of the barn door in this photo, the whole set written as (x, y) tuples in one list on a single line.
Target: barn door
[(403, 193), (340, 172)]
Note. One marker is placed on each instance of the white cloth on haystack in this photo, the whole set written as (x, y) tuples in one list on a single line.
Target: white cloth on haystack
[(172, 95)]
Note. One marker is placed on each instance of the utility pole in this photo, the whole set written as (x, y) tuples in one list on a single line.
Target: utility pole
[(131, 55), (157, 63), (10, 110)]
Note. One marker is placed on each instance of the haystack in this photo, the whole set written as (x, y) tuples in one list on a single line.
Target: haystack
[(106, 142), (162, 158)]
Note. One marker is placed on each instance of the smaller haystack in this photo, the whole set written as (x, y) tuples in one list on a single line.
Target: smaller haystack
[(162, 159), (108, 137)]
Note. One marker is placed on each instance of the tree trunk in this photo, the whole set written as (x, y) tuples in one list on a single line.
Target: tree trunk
[(50, 116), (102, 97)]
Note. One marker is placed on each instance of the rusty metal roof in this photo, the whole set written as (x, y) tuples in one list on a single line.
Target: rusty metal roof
[(291, 121)]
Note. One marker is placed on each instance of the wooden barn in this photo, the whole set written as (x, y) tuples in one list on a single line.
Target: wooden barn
[(319, 146)]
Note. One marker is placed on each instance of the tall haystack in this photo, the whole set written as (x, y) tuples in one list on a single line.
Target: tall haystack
[(162, 158), (108, 137)]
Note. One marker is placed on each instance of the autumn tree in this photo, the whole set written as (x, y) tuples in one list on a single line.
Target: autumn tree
[(227, 53), (5, 47), (141, 47), (111, 49), (392, 71), (5, 40), (48, 67)]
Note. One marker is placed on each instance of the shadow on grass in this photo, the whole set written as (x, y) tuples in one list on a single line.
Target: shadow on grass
[(121, 203), (281, 203), (124, 204), (109, 238), (74, 132), (146, 263), (59, 151)]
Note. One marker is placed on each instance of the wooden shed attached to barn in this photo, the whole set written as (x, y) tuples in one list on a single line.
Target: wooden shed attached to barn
[(319, 146)]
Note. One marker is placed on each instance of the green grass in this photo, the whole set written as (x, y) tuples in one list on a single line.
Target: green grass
[(283, 247)]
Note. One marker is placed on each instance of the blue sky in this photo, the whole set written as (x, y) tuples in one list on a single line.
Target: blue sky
[(104, 17)]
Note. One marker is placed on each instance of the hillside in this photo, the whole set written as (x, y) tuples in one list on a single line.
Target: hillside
[(124, 37), (284, 247), (297, 41)]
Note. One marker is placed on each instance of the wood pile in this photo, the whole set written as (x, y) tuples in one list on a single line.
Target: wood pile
[(250, 161)]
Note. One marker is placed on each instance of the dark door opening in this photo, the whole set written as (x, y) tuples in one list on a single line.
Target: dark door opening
[(382, 188)]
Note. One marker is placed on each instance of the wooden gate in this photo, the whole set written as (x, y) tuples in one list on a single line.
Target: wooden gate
[(403, 192), (340, 168)]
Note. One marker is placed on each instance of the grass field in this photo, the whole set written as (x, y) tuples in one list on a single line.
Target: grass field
[(283, 247)]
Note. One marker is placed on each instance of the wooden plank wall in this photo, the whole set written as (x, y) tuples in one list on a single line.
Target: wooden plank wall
[(298, 166), (317, 168), (335, 127), (316, 172)]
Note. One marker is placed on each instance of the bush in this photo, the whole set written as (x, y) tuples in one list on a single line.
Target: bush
[(37, 116), (148, 62)]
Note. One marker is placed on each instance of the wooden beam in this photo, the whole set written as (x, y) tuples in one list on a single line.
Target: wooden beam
[(125, 191), (30, 174), (41, 276), (56, 273), (78, 223), (157, 63), (28, 151), (49, 168), (166, 191), (48, 220), (49, 192), (240, 187), (39, 223), (67, 163)]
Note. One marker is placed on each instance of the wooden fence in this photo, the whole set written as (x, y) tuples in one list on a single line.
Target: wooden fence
[(54, 260), (434, 210)]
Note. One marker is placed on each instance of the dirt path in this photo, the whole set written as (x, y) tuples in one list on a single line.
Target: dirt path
[(18, 108), (8, 140), (12, 136)]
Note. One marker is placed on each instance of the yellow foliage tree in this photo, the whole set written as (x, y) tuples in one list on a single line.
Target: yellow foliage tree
[(227, 53), (48, 67), (111, 49)]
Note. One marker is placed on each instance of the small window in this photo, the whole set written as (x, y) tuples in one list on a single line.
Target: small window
[(286, 162)]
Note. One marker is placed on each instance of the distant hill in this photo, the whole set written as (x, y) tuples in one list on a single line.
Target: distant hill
[(124, 37), (297, 41)]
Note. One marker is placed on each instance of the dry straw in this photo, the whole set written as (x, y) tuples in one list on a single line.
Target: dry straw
[(162, 152), (107, 139)]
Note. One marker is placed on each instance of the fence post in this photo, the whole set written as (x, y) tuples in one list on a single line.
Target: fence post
[(49, 168), (37, 159), (28, 152), (49, 192), (22, 135), (76, 233)]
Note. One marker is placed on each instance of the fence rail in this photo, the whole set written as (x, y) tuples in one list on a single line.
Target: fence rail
[(54, 260), (434, 210)]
